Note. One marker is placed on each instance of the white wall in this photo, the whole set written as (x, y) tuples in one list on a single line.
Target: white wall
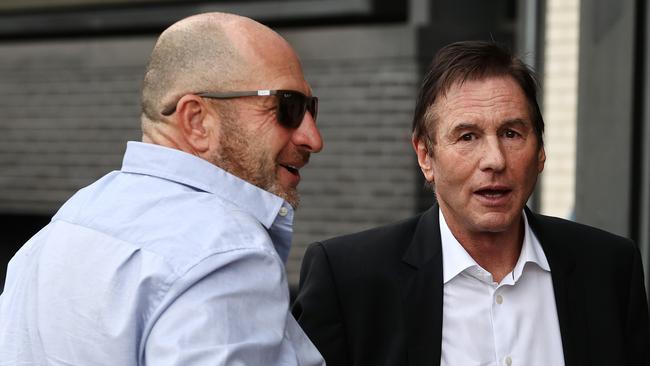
[(560, 106)]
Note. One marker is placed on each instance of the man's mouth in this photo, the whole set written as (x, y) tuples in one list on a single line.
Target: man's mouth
[(291, 168), (292, 163), (493, 193)]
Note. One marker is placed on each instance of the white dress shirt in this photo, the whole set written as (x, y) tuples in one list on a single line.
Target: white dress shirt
[(510, 323), (170, 261)]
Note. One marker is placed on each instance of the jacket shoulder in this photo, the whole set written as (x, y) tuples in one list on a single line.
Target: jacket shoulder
[(377, 236), (579, 236), (383, 243)]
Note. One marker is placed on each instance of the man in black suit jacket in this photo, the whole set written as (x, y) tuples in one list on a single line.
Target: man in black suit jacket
[(386, 297)]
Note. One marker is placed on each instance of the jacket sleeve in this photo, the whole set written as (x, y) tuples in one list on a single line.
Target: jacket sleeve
[(317, 307), (637, 323)]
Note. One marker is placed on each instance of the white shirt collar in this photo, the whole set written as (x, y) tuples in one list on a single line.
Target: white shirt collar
[(456, 260)]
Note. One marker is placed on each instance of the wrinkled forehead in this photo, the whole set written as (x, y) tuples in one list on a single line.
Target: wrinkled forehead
[(492, 97), (485, 94)]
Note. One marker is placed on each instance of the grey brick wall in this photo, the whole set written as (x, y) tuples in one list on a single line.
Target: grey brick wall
[(68, 107)]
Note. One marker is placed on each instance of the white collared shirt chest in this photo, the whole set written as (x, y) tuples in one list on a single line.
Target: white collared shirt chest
[(498, 324)]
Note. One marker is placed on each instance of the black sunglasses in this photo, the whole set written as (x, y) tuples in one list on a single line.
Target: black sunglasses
[(291, 109)]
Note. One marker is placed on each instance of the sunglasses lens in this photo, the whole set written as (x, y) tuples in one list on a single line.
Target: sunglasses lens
[(313, 107), (291, 109)]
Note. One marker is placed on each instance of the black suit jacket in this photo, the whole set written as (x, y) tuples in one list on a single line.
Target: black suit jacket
[(375, 297)]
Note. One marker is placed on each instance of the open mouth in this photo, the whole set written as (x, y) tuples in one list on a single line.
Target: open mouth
[(493, 193), (292, 169)]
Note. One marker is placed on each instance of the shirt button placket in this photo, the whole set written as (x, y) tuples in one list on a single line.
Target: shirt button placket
[(508, 361)]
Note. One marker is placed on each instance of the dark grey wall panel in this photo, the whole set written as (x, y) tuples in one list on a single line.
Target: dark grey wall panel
[(605, 115), (85, 17), (644, 212)]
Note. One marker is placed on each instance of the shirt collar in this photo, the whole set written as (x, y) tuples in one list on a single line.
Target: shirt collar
[(531, 252), (455, 258), (187, 169)]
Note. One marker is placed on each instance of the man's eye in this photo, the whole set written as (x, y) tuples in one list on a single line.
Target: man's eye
[(511, 134), (467, 137)]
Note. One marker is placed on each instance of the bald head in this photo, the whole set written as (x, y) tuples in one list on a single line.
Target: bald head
[(205, 52)]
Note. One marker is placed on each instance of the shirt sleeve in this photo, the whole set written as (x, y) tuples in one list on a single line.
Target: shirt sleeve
[(231, 309)]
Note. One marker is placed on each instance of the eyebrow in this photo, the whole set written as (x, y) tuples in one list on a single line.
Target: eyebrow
[(515, 122), (463, 126)]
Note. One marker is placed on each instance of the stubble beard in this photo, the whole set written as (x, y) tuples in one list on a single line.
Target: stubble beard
[(238, 155)]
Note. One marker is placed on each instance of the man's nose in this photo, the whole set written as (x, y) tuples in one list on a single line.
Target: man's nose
[(492, 155), (307, 135)]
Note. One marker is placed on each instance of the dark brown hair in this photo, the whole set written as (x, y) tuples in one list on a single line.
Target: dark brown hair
[(473, 60)]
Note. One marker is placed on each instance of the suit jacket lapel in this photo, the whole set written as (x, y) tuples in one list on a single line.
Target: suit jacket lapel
[(422, 291), (561, 259)]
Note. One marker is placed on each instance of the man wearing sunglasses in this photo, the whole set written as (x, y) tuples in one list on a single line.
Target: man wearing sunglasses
[(178, 258)]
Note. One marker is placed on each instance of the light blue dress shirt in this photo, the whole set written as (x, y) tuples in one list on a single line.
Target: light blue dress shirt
[(170, 261)]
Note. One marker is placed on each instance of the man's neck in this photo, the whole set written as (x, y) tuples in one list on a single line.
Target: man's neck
[(497, 252)]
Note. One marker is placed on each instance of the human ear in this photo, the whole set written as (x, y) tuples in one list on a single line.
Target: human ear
[(425, 159), (541, 159), (193, 118)]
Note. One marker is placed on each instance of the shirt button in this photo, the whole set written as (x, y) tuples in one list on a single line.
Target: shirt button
[(500, 301), (508, 361), (284, 211)]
